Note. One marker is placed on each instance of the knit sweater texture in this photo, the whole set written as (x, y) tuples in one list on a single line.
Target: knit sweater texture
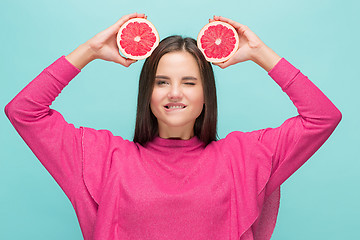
[(172, 189)]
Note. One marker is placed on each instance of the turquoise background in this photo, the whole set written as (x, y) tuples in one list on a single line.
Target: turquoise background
[(321, 38)]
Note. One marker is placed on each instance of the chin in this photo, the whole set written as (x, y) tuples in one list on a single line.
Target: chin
[(179, 124)]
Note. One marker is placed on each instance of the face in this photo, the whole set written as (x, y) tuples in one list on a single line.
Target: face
[(177, 98)]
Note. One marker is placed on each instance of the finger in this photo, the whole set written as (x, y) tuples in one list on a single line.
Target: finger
[(231, 22), (216, 18), (241, 29), (238, 26), (125, 18)]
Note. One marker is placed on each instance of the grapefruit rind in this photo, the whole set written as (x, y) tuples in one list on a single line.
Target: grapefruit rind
[(203, 50), (148, 52)]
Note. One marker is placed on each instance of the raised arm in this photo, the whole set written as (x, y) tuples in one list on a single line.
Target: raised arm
[(299, 137), (56, 143)]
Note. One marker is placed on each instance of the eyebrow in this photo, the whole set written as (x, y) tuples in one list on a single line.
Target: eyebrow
[(184, 78)]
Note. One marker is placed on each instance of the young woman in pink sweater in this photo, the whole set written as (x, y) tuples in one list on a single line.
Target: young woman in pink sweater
[(175, 180)]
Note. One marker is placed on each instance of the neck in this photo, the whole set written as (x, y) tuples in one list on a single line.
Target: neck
[(176, 132)]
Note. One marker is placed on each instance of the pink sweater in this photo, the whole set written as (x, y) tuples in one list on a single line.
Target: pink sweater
[(172, 189)]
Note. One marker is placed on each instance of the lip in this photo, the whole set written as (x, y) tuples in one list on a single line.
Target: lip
[(174, 107)]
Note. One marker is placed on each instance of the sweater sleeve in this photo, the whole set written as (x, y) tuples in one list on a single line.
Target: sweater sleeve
[(56, 143), (299, 137)]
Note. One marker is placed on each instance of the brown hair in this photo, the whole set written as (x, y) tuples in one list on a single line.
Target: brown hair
[(146, 126)]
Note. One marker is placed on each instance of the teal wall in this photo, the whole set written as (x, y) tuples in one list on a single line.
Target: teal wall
[(321, 38)]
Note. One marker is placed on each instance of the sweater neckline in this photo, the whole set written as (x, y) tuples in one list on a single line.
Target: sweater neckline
[(193, 142)]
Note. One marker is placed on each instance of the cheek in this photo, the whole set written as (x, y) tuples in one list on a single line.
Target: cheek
[(154, 102), (198, 101)]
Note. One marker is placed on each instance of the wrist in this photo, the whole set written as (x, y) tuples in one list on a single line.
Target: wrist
[(265, 57), (81, 56)]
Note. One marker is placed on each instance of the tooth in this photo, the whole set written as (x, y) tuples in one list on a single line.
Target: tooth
[(177, 107)]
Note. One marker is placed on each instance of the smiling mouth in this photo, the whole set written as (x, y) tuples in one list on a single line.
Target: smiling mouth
[(175, 107)]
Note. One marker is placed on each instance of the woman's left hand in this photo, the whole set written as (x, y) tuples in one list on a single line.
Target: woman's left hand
[(250, 45)]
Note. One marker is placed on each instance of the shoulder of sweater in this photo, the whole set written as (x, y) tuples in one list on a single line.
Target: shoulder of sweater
[(240, 136)]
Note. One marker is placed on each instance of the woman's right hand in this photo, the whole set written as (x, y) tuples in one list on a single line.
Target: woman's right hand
[(104, 43)]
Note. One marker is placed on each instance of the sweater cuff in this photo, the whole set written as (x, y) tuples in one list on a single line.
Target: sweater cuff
[(63, 70), (283, 73)]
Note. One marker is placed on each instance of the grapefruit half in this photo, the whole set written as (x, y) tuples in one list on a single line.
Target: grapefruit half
[(137, 38), (218, 41)]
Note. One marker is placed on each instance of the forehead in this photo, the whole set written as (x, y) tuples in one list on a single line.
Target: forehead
[(178, 63)]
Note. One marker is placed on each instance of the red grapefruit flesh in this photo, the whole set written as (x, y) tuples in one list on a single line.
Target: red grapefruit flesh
[(137, 38), (218, 41)]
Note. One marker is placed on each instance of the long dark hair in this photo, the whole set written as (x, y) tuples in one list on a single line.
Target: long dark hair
[(146, 127)]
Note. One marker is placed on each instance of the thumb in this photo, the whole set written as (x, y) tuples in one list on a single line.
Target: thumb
[(123, 61), (127, 62), (226, 64)]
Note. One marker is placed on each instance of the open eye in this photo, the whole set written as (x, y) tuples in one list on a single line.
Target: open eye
[(161, 82)]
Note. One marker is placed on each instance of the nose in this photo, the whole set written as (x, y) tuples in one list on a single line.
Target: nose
[(175, 92)]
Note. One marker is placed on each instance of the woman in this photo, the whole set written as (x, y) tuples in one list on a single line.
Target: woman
[(175, 180)]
